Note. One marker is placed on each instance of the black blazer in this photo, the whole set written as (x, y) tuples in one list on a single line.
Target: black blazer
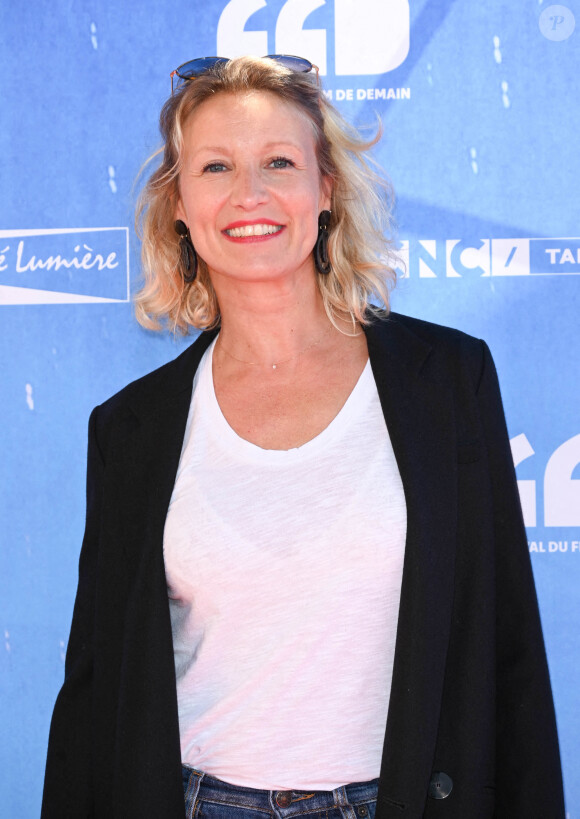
[(470, 708)]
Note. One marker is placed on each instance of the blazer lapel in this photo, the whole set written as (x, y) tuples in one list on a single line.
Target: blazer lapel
[(419, 416), (147, 771)]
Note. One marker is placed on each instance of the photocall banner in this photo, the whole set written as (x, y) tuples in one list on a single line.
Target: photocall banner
[(479, 106)]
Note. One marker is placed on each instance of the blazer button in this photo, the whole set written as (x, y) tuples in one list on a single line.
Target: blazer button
[(440, 785)]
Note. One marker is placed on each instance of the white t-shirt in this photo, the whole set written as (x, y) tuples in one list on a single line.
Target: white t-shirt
[(284, 574)]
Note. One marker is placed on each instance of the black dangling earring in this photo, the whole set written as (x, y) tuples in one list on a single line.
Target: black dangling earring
[(187, 252), (321, 259)]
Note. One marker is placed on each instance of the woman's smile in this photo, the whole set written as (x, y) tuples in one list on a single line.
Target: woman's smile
[(253, 231)]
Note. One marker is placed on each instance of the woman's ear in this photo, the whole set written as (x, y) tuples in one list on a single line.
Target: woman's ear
[(325, 193), (179, 212)]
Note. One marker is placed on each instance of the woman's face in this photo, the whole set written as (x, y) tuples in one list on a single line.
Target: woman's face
[(250, 187)]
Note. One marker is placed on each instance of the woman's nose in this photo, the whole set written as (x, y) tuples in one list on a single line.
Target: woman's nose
[(249, 188)]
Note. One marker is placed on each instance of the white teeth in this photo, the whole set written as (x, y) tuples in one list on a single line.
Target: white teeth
[(253, 230)]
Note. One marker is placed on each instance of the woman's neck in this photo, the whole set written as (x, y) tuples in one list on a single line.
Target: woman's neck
[(268, 324), (271, 340)]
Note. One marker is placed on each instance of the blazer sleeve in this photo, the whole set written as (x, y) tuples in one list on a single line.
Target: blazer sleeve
[(68, 785), (528, 771)]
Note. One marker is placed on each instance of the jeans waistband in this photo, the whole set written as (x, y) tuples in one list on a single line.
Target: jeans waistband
[(286, 803)]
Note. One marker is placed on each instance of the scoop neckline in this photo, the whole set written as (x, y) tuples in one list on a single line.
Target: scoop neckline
[(229, 439)]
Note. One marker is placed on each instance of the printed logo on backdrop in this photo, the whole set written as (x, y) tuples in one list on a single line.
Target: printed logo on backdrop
[(557, 23), (463, 258), (561, 485), (64, 266), (360, 38)]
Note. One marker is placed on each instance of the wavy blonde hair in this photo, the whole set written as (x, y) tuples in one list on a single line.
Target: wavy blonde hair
[(359, 244)]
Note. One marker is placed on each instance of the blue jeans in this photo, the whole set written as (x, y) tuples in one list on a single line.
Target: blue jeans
[(209, 798)]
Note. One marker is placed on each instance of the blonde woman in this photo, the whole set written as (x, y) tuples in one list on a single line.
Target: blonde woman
[(304, 585)]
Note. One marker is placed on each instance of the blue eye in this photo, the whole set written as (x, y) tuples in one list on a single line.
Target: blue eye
[(282, 162), (214, 167)]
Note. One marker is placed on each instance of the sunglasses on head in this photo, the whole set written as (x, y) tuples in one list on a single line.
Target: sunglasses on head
[(195, 68)]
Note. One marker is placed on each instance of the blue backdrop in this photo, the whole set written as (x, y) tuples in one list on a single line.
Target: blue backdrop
[(481, 116)]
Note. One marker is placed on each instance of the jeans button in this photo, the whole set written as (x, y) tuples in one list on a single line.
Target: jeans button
[(283, 799), (362, 810)]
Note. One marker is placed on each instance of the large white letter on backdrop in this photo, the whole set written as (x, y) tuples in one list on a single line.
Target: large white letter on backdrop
[(292, 38), (561, 490), (232, 40), (522, 449), (370, 36)]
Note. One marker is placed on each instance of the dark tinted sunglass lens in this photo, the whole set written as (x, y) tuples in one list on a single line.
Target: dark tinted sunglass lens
[(194, 68), (297, 64)]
